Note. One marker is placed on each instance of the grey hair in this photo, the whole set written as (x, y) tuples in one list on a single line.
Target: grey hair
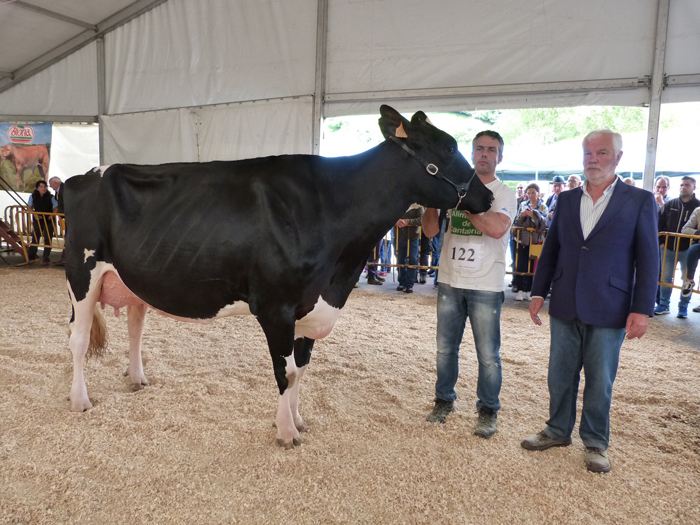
[(55, 179), (662, 177), (598, 133)]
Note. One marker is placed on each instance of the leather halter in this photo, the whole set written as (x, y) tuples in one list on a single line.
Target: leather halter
[(462, 188)]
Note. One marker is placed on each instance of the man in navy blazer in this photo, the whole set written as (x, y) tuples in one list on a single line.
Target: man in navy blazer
[(601, 259)]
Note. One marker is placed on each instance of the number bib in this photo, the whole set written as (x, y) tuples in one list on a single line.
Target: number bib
[(465, 255)]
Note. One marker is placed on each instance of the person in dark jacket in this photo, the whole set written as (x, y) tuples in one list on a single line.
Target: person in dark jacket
[(672, 217), (57, 186), (41, 200)]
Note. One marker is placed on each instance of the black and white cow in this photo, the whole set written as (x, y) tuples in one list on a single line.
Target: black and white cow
[(283, 238)]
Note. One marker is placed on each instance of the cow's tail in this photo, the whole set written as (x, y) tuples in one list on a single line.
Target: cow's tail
[(97, 347), (98, 335)]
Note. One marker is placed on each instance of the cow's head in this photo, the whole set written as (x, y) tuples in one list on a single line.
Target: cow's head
[(447, 180), (6, 152)]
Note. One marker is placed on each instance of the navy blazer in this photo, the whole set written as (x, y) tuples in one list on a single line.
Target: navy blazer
[(614, 272)]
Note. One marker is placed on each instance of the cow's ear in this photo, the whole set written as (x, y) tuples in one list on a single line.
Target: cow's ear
[(421, 118), (392, 123)]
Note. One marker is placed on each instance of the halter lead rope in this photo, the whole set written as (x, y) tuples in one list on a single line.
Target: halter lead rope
[(433, 170)]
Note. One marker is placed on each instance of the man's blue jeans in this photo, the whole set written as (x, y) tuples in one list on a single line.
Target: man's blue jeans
[(407, 254), (575, 345), (483, 309), (667, 277)]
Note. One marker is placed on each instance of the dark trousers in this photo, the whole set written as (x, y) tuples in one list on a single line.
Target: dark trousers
[(41, 228), (524, 264), (373, 258), (425, 251)]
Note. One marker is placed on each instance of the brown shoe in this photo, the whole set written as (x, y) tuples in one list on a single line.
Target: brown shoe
[(597, 460), (542, 441)]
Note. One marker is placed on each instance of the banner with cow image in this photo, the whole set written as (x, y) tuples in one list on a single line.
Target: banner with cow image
[(24, 154)]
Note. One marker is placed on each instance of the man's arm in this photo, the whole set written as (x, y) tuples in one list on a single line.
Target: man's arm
[(431, 222), (692, 227), (491, 223)]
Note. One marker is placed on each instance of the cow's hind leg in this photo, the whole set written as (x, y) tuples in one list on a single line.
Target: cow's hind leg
[(136, 316), (302, 356), (279, 331)]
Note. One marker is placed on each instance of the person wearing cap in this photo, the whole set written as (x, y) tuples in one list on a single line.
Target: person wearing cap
[(558, 183)]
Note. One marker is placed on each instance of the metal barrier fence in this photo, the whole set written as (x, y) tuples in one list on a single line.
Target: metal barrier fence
[(35, 226)]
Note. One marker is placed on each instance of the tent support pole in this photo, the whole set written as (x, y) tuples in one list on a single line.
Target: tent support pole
[(657, 86), (320, 84), (101, 94)]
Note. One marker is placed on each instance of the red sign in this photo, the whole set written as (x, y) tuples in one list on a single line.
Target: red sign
[(21, 134)]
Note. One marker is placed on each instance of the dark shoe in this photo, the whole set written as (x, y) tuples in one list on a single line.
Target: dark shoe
[(372, 280), (440, 411), (687, 288), (542, 441), (486, 425), (696, 309), (408, 290), (421, 279), (45, 263), (380, 278), (514, 289), (597, 460), (400, 288)]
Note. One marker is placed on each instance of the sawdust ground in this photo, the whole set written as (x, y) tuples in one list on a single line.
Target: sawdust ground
[(197, 445)]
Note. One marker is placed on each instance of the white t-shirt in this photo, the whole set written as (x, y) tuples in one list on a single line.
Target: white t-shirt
[(471, 260)]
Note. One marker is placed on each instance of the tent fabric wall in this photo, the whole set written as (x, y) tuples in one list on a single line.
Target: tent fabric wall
[(150, 138), (74, 150), (230, 132), (69, 87), (683, 49), (186, 53)]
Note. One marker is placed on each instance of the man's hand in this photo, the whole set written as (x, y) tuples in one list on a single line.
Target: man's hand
[(637, 325), (535, 307), (659, 199), (402, 223)]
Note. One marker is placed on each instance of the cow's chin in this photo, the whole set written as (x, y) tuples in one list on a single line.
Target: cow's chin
[(468, 207)]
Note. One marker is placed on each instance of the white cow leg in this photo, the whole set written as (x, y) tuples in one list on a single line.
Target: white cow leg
[(78, 343), (136, 316), (287, 433), (294, 401)]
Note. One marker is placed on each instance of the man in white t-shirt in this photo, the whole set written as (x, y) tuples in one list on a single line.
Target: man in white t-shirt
[(472, 269)]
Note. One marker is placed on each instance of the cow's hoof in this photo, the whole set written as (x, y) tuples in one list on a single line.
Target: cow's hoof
[(135, 387), (287, 445), (80, 405), (301, 426)]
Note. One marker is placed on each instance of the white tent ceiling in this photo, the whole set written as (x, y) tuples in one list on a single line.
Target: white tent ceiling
[(194, 80)]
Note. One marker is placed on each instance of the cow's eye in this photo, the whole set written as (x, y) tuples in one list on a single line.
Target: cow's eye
[(450, 150)]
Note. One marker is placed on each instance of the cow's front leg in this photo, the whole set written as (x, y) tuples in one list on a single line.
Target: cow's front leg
[(279, 331), (136, 316), (302, 356)]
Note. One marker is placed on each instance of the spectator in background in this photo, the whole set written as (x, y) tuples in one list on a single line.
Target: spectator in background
[(407, 240), (373, 276), (41, 200), (520, 198), (57, 186), (661, 186), (532, 214), (573, 182), (426, 248), (551, 203), (692, 227), (672, 217)]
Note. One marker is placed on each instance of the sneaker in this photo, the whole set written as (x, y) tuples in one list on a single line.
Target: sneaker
[(597, 460), (661, 310), (400, 288), (542, 441), (682, 312), (435, 287), (440, 411), (514, 289), (528, 296), (374, 280), (688, 288), (422, 279), (696, 309), (520, 296), (486, 425), (408, 290)]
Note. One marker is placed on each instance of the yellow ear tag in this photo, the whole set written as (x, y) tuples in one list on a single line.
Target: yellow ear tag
[(400, 132)]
